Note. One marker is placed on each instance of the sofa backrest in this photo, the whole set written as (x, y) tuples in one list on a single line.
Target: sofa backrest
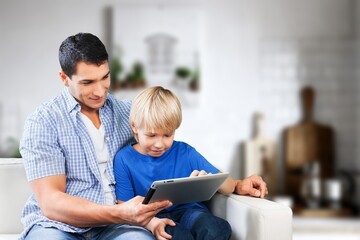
[(14, 191)]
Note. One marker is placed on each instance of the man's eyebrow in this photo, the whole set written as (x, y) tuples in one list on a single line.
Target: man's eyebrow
[(86, 80), (91, 80), (106, 74)]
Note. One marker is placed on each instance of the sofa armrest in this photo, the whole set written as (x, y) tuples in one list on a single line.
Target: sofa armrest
[(253, 218), (14, 191)]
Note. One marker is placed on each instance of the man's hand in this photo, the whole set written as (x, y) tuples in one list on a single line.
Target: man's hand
[(135, 213), (253, 186), (157, 227)]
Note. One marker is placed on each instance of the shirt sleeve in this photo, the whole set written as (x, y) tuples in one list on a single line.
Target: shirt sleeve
[(124, 189), (40, 149)]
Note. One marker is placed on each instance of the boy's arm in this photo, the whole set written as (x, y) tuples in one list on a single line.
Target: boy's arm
[(60, 206), (253, 185), (228, 186)]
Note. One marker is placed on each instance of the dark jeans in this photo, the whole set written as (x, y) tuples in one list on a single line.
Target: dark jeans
[(196, 223)]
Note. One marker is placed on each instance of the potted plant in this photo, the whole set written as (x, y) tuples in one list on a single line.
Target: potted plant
[(182, 76)]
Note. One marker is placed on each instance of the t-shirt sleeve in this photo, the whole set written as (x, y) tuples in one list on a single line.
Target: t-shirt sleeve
[(198, 162), (124, 189)]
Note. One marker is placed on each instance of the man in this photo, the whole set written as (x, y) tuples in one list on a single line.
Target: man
[(68, 148)]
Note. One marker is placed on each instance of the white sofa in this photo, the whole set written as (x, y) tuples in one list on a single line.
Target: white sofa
[(250, 218)]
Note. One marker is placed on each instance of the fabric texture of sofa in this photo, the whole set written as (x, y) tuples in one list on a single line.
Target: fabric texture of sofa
[(250, 218)]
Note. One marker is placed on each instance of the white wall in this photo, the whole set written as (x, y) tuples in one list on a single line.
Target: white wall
[(237, 35), (31, 33), (240, 37)]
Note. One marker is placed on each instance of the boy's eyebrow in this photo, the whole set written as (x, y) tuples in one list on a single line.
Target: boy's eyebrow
[(152, 132), (149, 132)]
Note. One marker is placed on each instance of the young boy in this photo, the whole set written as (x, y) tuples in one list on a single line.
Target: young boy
[(154, 117)]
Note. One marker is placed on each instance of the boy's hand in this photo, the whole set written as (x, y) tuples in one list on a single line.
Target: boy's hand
[(157, 227), (197, 173)]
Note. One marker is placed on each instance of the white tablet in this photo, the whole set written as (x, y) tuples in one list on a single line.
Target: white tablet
[(185, 190)]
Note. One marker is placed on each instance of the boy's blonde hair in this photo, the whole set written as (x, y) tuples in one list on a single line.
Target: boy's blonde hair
[(156, 108)]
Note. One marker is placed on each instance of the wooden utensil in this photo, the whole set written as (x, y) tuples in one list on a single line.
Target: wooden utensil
[(259, 156), (305, 142)]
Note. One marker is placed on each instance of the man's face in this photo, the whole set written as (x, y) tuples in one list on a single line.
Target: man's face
[(89, 85), (153, 142)]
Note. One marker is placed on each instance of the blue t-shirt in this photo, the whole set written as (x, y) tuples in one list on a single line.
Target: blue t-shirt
[(135, 172)]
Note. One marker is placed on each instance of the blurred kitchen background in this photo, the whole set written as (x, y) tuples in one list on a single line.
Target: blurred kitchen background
[(242, 69)]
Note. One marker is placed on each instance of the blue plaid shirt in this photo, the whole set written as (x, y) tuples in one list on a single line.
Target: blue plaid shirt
[(56, 141)]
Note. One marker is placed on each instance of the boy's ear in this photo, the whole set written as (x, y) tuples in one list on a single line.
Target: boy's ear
[(64, 78), (134, 129)]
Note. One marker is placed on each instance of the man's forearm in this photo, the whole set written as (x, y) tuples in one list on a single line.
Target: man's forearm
[(79, 212), (57, 205), (60, 206)]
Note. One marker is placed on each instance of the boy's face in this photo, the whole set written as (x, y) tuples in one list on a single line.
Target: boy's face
[(89, 85), (153, 142)]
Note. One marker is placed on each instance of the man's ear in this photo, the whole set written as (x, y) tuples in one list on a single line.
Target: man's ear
[(64, 78)]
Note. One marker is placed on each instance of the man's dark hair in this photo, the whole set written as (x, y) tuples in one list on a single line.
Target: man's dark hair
[(82, 47)]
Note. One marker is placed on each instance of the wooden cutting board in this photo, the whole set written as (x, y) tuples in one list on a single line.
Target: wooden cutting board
[(305, 142), (259, 156)]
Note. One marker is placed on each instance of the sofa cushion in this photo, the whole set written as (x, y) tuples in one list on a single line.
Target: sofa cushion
[(15, 190), (9, 236)]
